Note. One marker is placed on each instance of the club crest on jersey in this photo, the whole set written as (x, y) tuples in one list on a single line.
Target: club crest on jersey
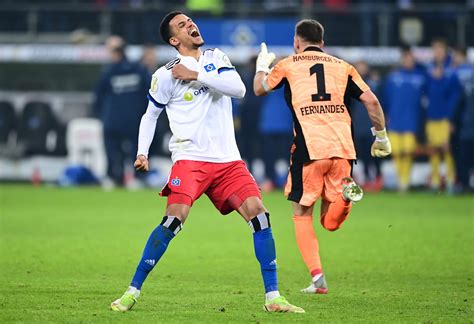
[(176, 182), (209, 67)]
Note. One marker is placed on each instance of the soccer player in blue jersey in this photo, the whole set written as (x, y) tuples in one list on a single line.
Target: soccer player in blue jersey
[(196, 89), (403, 92), (443, 94)]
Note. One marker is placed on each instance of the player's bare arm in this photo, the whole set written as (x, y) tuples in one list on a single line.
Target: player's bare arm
[(381, 146), (371, 102)]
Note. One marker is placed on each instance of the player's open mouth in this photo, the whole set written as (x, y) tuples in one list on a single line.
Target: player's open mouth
[(194, 33)]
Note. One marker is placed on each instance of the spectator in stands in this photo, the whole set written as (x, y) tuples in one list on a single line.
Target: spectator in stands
[(443, 95), (441, 55), (463, 121), (120, 101), (276, 129), (403, 92), (362, 135)]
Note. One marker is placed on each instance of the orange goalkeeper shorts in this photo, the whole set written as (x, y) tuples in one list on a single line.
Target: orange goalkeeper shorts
[(320, 178)]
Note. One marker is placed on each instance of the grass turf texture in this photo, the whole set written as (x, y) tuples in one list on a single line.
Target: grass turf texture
[(65, 254)]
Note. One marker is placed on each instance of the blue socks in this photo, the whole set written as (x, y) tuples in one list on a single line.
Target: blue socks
[(155, 247), (264, 246), (159, 239)]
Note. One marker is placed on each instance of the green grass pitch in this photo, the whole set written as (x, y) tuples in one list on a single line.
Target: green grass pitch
[(65, 254)]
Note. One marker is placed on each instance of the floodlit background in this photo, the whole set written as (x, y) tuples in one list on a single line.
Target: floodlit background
[(52, 53)]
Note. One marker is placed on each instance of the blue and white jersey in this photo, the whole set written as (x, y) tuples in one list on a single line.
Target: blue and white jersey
[(200, 117)]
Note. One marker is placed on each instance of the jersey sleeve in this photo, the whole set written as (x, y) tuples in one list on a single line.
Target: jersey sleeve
[(356, 86), (275, 77), (222, 61), (161, 88)]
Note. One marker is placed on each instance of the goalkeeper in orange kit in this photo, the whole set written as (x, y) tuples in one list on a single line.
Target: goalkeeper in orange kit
[(318, 89)]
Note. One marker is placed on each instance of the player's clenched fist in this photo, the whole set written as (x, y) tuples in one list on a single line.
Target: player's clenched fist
[(381, 146), (264, 59), (141, 163), (181, 72)]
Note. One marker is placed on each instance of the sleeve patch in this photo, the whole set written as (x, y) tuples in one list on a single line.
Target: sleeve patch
[(154, 84)]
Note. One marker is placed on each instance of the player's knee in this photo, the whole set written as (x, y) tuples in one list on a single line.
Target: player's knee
[(256, 210), (179, 206), (330, 225), (253, 207)]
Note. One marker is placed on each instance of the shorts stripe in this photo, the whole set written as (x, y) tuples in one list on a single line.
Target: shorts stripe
[(296, 192)]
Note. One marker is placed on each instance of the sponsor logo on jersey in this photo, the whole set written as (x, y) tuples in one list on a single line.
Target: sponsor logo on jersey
[(189, 96), (176, 182), (202, 89), (209, 67)]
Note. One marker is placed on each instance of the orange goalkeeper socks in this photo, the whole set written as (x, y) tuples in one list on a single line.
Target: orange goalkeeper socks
[(307, 243)]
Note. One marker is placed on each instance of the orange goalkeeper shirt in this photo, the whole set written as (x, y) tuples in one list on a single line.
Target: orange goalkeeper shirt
[(318, 89)]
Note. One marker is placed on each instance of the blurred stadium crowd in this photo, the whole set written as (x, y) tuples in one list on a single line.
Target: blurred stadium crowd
[(416, 55)]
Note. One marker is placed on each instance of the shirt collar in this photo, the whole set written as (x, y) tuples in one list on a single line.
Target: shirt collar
[(190, 57), (313, 48)]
